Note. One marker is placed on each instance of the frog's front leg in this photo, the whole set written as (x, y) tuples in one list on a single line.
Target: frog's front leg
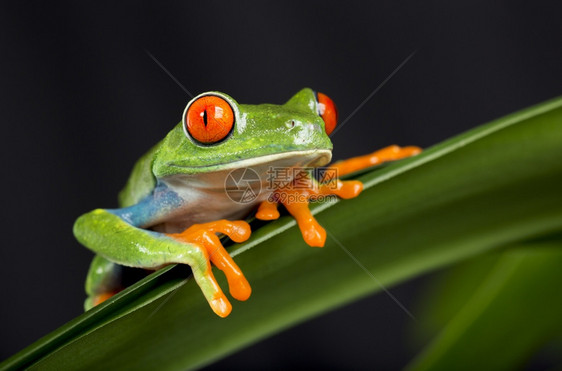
[(296, 201), (296, 198), (205, 235), (118, 236)]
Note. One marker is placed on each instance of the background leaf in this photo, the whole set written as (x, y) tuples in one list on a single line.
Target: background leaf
[(512, 314)]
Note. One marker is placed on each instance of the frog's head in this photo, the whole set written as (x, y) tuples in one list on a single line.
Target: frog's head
[(217, 133)]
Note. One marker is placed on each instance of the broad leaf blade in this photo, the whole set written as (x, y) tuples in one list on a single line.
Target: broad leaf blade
[(447, 292), (514, 312), (487, 188)]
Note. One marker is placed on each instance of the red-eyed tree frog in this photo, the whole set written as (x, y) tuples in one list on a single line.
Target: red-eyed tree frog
[(176, 201)]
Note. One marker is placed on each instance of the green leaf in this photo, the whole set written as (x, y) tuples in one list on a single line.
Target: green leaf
[(513, 313), (447, 292), (490, 187)]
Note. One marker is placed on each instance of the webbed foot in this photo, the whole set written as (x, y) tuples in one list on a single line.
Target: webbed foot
[(296, 199), (204, 241)]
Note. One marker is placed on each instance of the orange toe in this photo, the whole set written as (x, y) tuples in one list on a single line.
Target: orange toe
[(313, 234), (240, 288), (221, 306), (100, 298), (240, 232), (267, 211)]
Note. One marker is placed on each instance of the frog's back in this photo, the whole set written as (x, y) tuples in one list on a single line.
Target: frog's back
[(141, 182)]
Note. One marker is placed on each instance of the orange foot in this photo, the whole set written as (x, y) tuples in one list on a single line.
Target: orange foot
[(296, 200), (203, 236), (378, 157), (100, 298)]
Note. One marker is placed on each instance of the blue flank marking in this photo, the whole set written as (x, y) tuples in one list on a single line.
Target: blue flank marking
[(156, 205)]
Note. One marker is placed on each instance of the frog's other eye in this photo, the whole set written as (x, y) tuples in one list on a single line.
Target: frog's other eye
[(327, 110), (209, 119)]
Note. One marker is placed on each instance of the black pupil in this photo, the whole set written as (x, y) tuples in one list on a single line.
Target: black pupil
[(205, 117)]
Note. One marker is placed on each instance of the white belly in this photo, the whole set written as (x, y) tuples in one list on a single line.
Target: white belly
[(231, 193)]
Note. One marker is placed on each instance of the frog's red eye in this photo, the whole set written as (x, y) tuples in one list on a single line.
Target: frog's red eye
[(209, 119), (327, 110)]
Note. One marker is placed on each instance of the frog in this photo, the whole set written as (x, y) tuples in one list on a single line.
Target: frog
[(178, 202)]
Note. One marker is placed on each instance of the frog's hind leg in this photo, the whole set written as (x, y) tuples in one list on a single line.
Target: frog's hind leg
[(378, 157), (103, 281)]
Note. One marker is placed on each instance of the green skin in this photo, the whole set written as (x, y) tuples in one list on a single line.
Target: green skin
[(180, 182)]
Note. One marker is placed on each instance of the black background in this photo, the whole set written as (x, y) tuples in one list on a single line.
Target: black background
[(81, 100)]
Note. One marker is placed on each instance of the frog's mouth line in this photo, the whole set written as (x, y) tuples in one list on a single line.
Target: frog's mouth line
[(311, 158)]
